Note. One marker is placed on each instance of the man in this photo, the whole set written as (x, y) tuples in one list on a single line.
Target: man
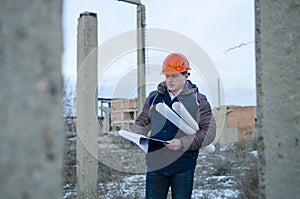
[(173, 165)]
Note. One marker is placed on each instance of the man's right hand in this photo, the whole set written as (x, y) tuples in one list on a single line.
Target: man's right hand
[(134, 144)]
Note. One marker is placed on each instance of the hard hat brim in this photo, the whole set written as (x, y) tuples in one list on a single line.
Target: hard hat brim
[(167, 70)]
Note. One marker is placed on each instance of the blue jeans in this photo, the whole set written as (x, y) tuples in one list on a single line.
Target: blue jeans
[(157, 185)]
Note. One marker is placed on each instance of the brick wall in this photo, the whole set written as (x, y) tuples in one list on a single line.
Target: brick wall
[(242, 118)]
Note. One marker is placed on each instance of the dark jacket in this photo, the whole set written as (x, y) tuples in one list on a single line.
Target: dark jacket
[(161, 158)]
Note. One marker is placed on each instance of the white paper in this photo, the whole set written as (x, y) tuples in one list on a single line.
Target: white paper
[(167, 112), (138, 139), (135, 138), (184, 121), (180, 109), (208, 149)]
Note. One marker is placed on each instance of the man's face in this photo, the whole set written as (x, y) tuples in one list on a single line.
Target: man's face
[(175, 82)]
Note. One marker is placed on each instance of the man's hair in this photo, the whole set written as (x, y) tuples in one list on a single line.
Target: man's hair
[(185, 72)]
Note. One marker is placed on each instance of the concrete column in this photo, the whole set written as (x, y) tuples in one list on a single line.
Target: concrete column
[(107, 111), (31, 133), (87, 124), (278, 83), (141, 63)]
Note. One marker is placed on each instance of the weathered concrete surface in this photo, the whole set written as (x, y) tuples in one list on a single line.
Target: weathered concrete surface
[(31, 134), (141, 60), (87, 124), (278, 83)]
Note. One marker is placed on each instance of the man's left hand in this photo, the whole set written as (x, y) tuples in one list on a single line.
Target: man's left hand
[(175, 144)]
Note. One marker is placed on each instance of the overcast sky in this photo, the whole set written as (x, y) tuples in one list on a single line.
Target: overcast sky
[(223, 29)]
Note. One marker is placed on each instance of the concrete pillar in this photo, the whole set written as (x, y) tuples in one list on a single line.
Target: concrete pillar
[(31, 133), (107, 111), (278, 83), (87, 124), (141, 62)]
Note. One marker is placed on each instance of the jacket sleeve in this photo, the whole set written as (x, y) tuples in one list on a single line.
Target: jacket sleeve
[(207, 127), (142, 124)]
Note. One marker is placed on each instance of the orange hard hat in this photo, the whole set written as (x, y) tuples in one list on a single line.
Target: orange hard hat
[(175, 63)]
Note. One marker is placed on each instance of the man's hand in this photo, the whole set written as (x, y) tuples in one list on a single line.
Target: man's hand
[(134, 144), (175, 144)]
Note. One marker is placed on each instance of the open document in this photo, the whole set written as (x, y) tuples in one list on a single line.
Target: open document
[(140, 140)]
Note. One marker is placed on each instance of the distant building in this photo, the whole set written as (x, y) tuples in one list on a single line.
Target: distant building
[(123, 113), (235, 123)]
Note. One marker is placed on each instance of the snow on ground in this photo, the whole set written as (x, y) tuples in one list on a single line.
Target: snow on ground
[(128, 187), (134, 187), (217, 175), (254, 153), (215, 194)]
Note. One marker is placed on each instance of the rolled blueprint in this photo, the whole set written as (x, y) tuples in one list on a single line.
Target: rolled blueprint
[(167, 112), (180, 109)]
